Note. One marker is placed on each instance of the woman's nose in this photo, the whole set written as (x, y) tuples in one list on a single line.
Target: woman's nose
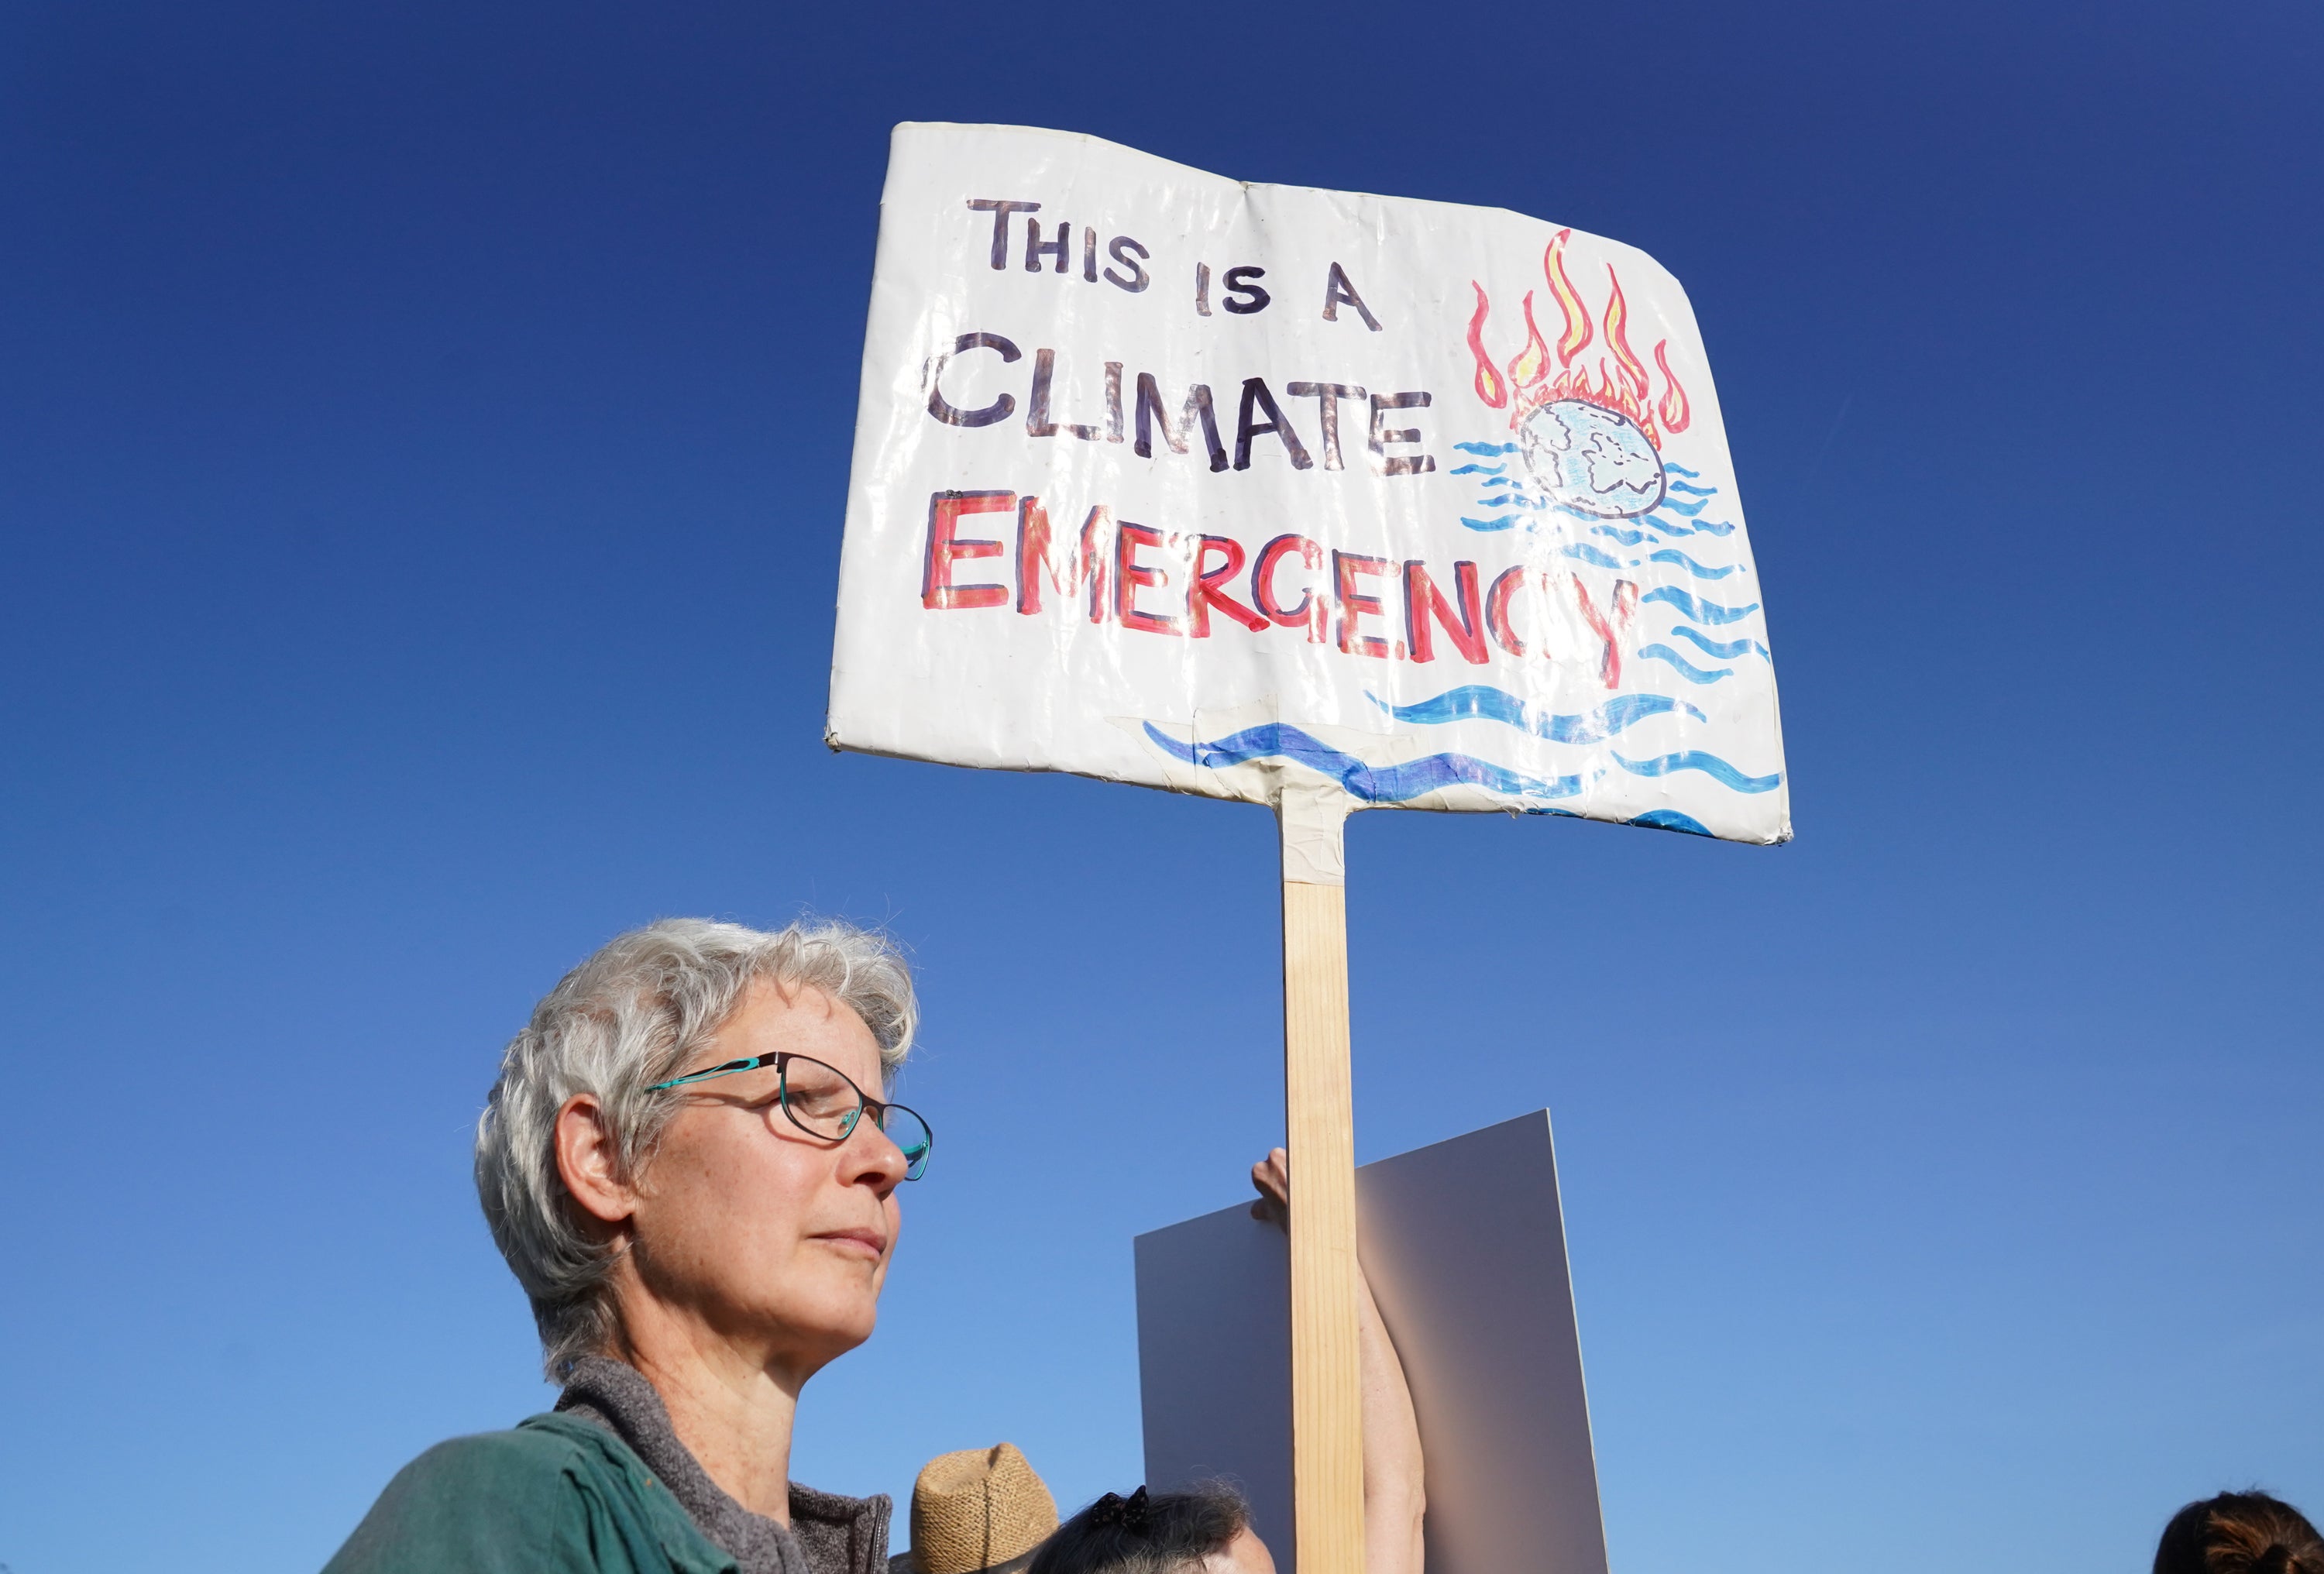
[(871, 1156)]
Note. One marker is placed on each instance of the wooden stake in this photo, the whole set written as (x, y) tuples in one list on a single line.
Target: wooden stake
[(1327, 1461)]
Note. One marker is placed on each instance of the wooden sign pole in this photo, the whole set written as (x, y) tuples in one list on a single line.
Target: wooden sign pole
[(1327, 1463)]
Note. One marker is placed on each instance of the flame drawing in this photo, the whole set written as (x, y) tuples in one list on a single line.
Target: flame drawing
[(1577, 320), (1675, 411), (1489, 387), (1622, 385)]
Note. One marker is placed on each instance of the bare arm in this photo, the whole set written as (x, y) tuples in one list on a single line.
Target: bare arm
[(1395, 1499)]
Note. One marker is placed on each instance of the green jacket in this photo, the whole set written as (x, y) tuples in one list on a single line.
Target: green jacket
[(556, 1495)]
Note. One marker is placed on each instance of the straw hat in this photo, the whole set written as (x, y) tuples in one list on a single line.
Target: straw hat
[(980, 1511)]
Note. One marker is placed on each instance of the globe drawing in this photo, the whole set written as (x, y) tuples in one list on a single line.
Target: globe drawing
[(1591, 460)]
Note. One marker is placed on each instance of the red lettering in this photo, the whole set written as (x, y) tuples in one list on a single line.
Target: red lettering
[(1130, 578), (1204, 593), (1084, 564), (1309, 612), (1497, 609), (1626, 601), (1425, 607), (1353, 605), (937, 591)]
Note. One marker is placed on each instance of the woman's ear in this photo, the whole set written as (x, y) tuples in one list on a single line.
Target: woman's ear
[(588, 1163)]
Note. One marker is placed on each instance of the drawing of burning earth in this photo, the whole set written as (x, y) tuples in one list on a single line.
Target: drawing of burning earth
[(1591, 447)]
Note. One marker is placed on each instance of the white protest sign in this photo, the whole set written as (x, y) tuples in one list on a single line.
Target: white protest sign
[(1171, 480)]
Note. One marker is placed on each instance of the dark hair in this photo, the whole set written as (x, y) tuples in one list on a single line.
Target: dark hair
[(1142, 1535), (2239, 1533)]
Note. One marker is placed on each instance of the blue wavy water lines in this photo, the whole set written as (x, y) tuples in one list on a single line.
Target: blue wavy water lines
[(1627, 537), (1689, 508), (1682, 470), (1670, 819), (1711, 765), (1494, 704), (1693, 491), (1503, 523), (1700, 526), (1375, 784), (1707, 612), (1583, 552), (1726, 650), (1496, 480), (1487, 450), (1686, 670), (1476, 470), (1672, 555)]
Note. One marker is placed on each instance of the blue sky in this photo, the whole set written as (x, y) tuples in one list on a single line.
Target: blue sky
[(423, 432)]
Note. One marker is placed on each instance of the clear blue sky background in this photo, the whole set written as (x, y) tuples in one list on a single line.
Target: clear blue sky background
[(423, 432)]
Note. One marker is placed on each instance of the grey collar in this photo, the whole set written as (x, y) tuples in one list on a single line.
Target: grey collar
[(828, 1534)]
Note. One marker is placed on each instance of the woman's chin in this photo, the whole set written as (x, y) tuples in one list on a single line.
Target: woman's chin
[(829, 1326)]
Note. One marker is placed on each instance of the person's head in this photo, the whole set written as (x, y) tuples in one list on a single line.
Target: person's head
[(2239, 1533), (754, 1205), (1204, 1531)]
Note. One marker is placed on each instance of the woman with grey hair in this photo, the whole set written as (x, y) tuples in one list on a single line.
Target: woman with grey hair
[(689, 1162)]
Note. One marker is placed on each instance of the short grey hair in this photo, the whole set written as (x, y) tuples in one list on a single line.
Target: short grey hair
[(623, 1020)]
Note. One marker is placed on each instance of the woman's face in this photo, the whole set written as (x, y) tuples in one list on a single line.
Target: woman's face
[(766, 1234)]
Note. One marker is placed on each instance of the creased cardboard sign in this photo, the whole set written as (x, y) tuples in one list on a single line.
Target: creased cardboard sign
[(1168, 479)]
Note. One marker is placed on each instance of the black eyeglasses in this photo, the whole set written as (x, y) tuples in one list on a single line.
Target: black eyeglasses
[(824, 1101)]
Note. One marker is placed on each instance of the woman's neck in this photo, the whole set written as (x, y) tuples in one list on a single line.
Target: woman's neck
[(735, 1415)]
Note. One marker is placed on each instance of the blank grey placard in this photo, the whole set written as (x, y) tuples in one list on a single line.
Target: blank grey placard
[(1466, 1249)]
